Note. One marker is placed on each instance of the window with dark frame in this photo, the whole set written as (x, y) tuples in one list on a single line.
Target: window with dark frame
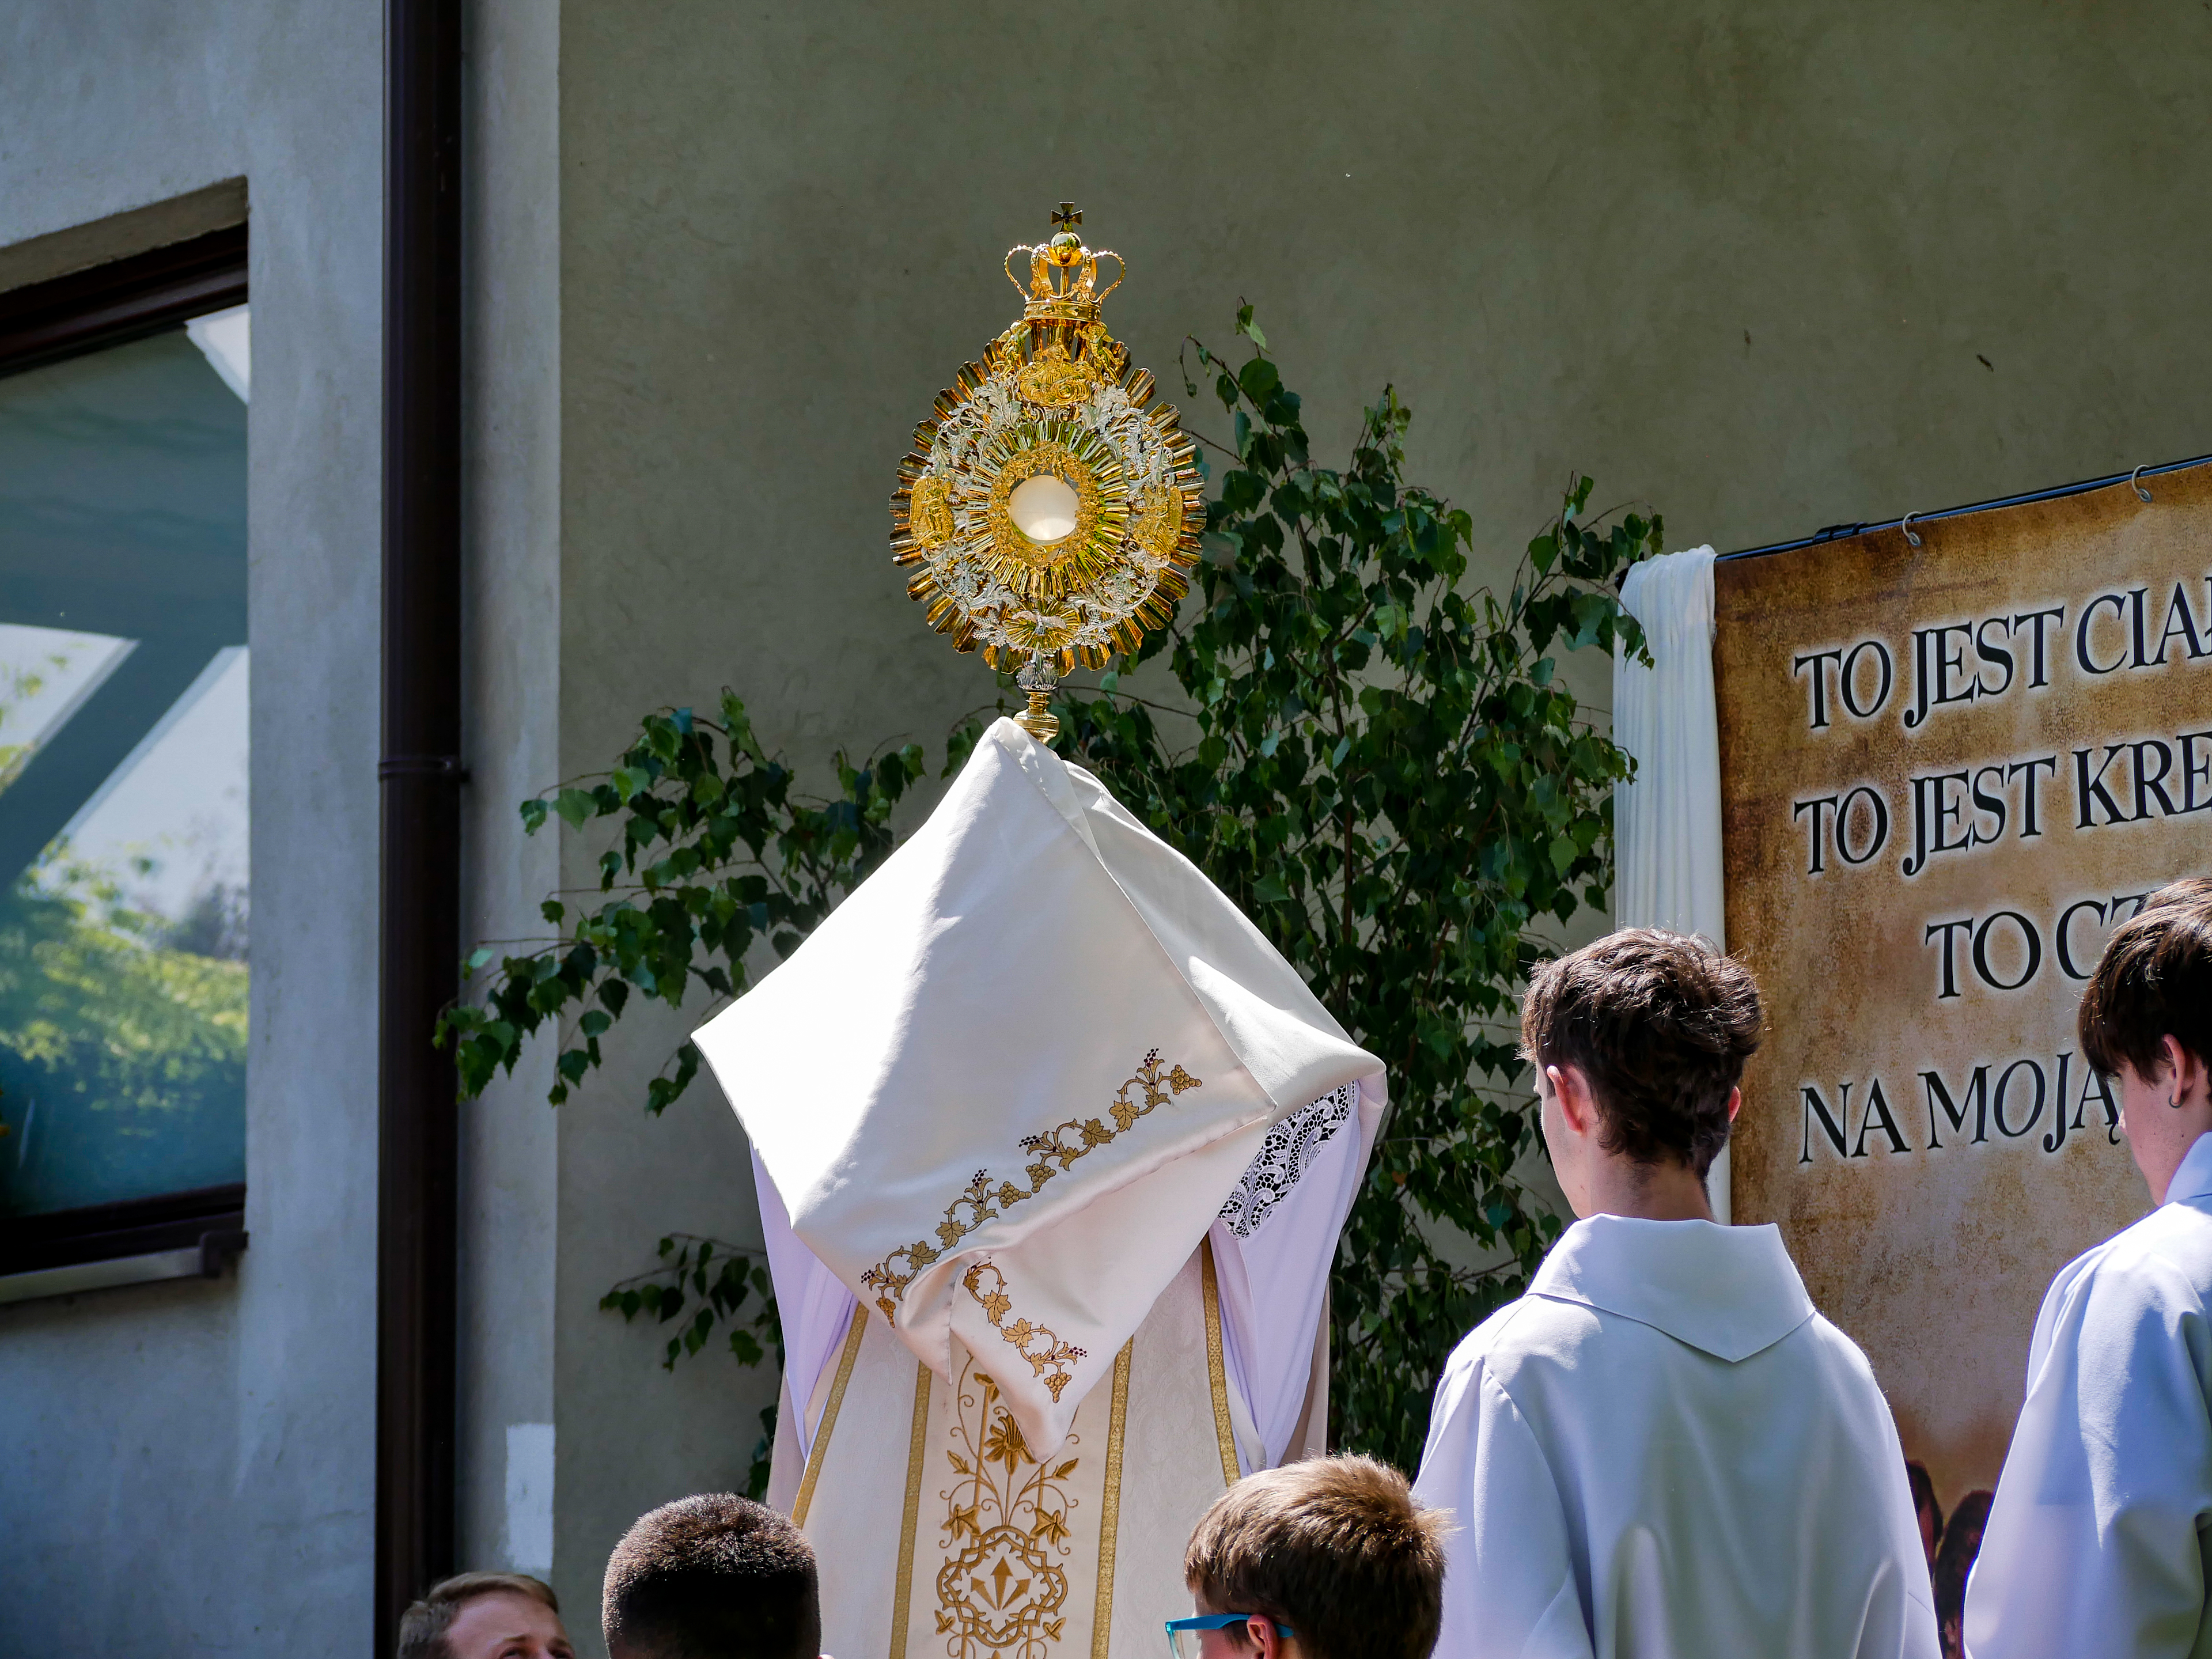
[(124, 872)]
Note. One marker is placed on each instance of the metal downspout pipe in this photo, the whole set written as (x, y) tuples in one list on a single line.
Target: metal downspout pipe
[(419, 779)]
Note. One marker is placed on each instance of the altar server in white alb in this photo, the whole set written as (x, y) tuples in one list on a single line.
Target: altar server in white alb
[(1661, 1449), (2096, 1543)]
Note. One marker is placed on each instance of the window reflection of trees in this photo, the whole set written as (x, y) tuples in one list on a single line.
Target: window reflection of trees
[(124, 936)]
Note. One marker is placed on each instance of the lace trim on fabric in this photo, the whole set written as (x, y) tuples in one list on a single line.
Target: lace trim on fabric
[(1291, 1147)]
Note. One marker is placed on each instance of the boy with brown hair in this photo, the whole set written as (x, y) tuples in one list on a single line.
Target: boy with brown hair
[(485, 1616), (1660, 1448), (1327, 1559), (2100, 1540)]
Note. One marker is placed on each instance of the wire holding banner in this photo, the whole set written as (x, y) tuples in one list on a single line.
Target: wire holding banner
[(1840, 532)]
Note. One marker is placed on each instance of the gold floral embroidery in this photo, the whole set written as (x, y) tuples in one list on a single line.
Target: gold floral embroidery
[(1002, 1588), (1051, 1153), (1034, 1342)]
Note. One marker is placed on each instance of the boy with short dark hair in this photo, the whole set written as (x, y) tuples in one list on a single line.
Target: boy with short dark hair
[(1661, 1447), (1327, 1559), (2097, 1541), (715, 1576)]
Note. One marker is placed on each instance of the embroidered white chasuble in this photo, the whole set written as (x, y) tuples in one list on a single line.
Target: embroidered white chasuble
[(1053, 1149)]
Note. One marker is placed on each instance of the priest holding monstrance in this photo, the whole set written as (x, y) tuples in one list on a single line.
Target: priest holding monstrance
[(1052, 1147)]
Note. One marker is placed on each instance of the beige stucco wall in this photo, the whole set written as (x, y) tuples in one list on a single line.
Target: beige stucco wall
[(1766, 267)]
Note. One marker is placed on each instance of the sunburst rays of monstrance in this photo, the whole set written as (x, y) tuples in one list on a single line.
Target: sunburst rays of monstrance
[(1049, 509)]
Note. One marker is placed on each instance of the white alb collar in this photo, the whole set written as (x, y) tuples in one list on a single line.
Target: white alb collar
[(1728, 1292), (2193, 1179)]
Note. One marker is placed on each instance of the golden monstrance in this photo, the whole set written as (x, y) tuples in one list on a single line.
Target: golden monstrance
[(1049, 507)]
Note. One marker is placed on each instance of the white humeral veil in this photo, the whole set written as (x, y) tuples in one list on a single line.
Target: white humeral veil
[(1052, 1150), (1666, 824)]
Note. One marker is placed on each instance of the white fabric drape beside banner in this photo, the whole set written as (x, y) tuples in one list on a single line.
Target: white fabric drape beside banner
[(1666, 824)]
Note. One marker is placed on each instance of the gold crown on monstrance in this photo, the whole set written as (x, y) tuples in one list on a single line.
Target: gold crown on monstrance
[(1049, 509)]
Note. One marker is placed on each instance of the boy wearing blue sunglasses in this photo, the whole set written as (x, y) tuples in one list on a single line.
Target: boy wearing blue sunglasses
[(1327, 1559)]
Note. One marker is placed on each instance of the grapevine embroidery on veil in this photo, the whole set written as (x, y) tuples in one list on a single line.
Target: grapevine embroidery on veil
[(1291, 1146), (1034, 1342), (1051, 1154), (1002, 1587)]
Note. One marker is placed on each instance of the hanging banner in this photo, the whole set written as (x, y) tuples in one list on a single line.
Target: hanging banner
[(1947, 771)]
